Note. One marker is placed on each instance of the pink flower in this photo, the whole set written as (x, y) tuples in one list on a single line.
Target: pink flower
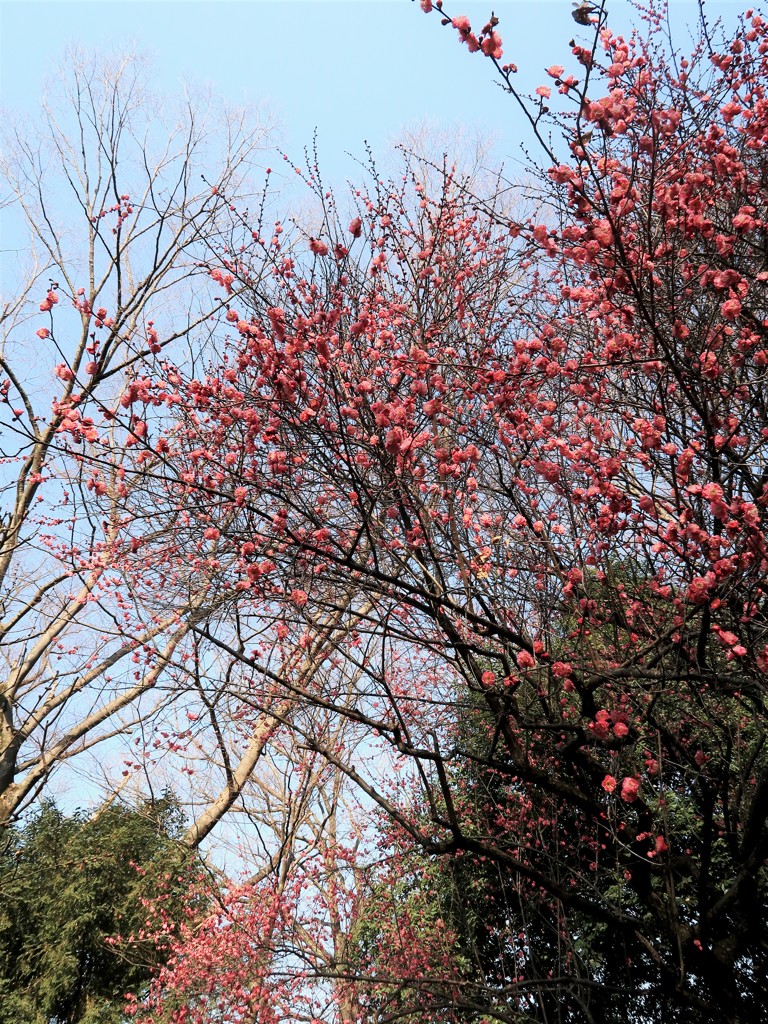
[(629, 789), (744, 222), (211, 533), (356, 227), (544, 91), (491, 46), (731, 309), (620, 730), (561, 173), (462, 24), (700, 588), (525, 660), (318, 248), (43, 333), (556, 71), (609, 783), (600, 726), (425, 5), (488, 678), (225, 280)]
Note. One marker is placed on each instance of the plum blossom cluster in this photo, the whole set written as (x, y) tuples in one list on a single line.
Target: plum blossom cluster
[(486, 41)]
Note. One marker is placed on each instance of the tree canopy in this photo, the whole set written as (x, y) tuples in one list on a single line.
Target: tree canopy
[(78, 894), (454, 532)]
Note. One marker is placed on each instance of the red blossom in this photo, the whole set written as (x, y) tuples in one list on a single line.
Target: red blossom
[(461, 23), (630, 788), (491, 46)]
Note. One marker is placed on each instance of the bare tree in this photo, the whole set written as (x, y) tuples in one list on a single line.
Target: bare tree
[(108, 199)]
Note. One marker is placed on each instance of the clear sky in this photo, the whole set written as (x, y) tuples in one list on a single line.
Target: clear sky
[(353, 69)]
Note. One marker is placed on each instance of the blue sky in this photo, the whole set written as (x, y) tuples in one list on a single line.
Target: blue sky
[(353, 69)]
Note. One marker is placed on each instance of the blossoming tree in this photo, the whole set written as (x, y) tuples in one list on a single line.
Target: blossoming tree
[(491, 492), (527, 461)]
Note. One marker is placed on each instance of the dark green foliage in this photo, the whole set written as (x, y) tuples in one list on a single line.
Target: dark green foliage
[(68, 887)]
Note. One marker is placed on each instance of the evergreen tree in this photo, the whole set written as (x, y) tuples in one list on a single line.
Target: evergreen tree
[(78, 896)]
